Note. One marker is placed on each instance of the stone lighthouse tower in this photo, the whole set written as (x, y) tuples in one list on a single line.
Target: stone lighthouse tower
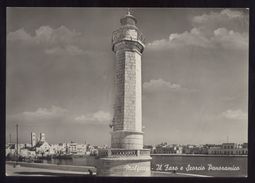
[(127, 45), (126, 157)]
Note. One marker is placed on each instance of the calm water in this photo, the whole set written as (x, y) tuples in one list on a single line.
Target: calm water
[(202, 165), (79, 161)]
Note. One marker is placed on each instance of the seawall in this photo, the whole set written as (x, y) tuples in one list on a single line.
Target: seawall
[(200, 155), (54, 167)]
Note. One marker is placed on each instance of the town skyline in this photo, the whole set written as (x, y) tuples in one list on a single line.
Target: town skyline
[(13, 140), (41, 148), (194, 73)]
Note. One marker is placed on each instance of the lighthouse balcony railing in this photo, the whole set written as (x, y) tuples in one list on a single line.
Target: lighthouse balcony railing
[(119, 35), (123, 152)]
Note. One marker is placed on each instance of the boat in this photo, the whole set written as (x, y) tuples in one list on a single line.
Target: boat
[(38, 161), (63, 156)]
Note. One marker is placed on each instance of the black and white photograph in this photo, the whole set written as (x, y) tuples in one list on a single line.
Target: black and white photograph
[(140, 92)]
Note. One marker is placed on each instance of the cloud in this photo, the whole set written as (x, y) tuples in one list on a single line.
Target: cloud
[(46, 35), (56, 115), (230, 39), (225, 14), (235, 114), (99, 117), (209, 31), (66, 50), (221, 38), (53, 111), (40, 116), (20, 35), (226, 18), (188, 38), (160, 84), (59, 41)]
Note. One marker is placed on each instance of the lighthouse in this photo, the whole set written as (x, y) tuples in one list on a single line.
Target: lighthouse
[(126, 157), (127, 45)]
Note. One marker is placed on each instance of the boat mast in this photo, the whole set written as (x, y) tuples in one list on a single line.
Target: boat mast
[(10, 135), (17, 141)]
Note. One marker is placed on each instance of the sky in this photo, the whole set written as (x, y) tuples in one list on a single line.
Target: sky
[(194, 74)]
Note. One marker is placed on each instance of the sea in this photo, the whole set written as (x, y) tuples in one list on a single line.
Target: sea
[(206, 165), (198, 165)]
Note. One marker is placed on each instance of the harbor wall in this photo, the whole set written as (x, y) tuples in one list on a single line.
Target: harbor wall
[(54, 167)]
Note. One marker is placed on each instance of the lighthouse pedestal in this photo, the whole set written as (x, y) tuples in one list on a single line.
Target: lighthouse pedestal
[(121, 162)]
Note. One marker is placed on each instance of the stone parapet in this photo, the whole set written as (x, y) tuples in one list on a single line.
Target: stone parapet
[(116, 153)]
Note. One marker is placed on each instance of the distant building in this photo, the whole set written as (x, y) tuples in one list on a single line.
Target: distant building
[(230, 149), (10, 149), (92, 150), (33, 139), (60, 148), (195, 149), (76, 149), (178, 149), (81, 149), (42, 137), (229, 146), (43, 149), (168, 149), (72, 147), (214, 150), (27, 153)]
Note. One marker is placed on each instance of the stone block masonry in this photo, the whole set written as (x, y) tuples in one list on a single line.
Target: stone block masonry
[(127, 109), (128, 112), (127, 140), (132, 115)]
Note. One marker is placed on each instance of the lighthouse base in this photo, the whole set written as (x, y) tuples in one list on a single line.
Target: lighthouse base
[(124, 165)]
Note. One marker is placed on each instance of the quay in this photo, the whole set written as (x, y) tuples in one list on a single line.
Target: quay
[(202, 155), (42, 169)]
